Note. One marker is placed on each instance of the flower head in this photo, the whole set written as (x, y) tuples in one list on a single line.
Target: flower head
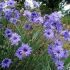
[(58, 52), (59, 64), (11, 3), (6, 63), (27, 26), (8, 32), (15, 39), (24, 50), (49, 34)]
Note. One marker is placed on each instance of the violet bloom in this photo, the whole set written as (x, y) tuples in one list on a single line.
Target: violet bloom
[(48, 33), (27, 13), (47, 24), (15, 39), (39, 20), (6, 63), (66, 53), (8, 13), (58, 52), (36, 4), (13, 20), (65, 34), (11, 3), (59, 64), (50, 49), (34, 16), (58, 43), (16, 14), (8, 32), (55, 16), (23, 51), (27, 26), (1, 6)]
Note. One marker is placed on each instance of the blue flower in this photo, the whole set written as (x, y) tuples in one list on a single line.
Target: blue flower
[(11, 3), (59, 64), (55, 16), (15, 39), (13, 20), (49, 33), (27, 26), (6, 63), (8, 32), (1, 6), (58, 43), (23, 51), (58, 52), (66, 35)]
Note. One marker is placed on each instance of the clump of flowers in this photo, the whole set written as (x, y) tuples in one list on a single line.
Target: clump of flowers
[(23, 36)]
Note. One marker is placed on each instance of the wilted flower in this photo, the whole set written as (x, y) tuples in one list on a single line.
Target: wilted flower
[(23, 51), (6, 63)]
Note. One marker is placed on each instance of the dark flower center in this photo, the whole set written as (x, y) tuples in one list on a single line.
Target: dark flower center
[(8, 31), (48, 33), (15, 38), (58, 52), (25, 49), (6, 61)]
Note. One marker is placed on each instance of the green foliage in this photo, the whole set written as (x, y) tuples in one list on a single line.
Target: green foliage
[(50, 5)]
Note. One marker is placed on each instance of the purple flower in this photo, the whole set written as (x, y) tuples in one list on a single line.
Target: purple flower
[(66, 53), (11, 3), (16, 14), (58, 43), (8, 32), (58, 52), (8, 13), (48, 33), (36, 4), (59, 64), (15, 39), (39, 20), (35, 14), (6, 63), (23, 51), (27, 26), (66, 34), (46, 17), (13, 20), (50, 49), (1, 6), (55, 16), (47, 24), (27, 13), (59, 26)]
